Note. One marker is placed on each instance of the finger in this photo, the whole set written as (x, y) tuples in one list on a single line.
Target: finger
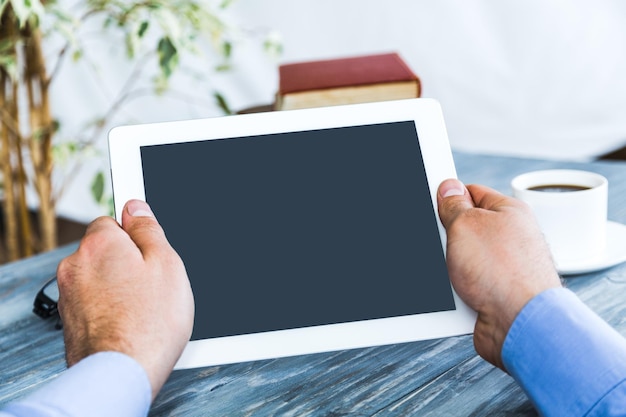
[(452, 199), (490, 199), (101, 223), (99, 232), (143, 228)]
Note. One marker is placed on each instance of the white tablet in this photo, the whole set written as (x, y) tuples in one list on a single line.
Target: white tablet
[(302, 231)]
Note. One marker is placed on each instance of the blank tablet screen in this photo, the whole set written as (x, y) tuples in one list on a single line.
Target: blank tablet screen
[(300, 229)]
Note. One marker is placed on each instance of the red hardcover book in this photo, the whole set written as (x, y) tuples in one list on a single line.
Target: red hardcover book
[(345, 81)]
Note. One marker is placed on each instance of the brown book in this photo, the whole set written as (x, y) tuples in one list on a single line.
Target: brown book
[(345, 81)]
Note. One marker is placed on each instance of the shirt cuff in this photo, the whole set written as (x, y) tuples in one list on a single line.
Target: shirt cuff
[(565, 357), (104, 384)]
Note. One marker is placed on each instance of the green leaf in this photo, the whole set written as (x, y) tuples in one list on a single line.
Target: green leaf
[(227, 49), (8, 59), (160, 84), (168, 56), (273, 44), (223, 68), (143, 27), (110, 206), (25, 9), (64, 153), (130, 42), (221, 102), (77, 55), (97, 187)]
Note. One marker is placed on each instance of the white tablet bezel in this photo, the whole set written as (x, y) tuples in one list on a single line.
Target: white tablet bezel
[(128, 183)]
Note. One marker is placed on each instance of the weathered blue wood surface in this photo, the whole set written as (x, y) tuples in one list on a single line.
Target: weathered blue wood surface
[(431, 378)]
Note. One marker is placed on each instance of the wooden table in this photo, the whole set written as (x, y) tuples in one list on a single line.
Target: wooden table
[(439, 377)]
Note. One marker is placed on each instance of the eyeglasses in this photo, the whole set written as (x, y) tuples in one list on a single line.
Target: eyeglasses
[(46, 302)]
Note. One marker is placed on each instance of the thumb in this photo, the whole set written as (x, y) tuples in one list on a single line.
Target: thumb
[(452, 199), (142, 227)]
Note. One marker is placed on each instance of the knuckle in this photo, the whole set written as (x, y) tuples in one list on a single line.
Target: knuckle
[(467, 220), (66, 272), (454, 204), (98, 232), (147, 225), (99, 223)]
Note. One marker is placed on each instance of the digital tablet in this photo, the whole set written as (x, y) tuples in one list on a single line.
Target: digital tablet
[(302, 231)]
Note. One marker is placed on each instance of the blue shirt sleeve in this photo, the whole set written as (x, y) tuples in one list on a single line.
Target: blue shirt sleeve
[(102, 385), (567, 359)]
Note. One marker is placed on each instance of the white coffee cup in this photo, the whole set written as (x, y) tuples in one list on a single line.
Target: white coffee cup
[(572, 214)]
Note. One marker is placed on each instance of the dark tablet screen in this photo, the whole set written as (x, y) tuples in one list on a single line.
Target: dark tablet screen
[(301, 229)]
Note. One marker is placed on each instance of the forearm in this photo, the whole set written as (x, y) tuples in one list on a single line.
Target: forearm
[(566, 358), (103, 384)]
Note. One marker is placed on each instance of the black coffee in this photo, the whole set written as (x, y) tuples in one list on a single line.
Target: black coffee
[(559, 188)]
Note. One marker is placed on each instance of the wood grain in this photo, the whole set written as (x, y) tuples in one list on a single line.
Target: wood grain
[(431, 378)]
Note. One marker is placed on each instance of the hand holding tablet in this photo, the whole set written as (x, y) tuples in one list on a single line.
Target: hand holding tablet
[(302, 231)]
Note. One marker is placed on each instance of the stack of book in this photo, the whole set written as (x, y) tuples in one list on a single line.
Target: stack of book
[(350, 80)]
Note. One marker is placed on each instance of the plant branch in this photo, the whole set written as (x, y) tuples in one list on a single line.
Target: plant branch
[(9, 121), (57, 65)]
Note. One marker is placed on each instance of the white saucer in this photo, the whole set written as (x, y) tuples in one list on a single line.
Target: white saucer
[(614, 254)]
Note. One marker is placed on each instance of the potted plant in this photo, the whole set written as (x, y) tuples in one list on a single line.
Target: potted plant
[(157, 32)]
